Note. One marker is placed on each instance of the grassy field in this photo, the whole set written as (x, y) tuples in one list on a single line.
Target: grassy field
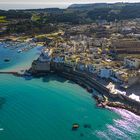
[(3, 19), (35, 17)]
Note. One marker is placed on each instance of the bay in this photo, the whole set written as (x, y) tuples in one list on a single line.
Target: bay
[(46, 108)]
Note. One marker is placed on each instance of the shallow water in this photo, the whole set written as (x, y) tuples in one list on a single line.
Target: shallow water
[(18, 61)]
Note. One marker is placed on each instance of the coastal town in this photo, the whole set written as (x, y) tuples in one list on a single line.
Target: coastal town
[(112, 60), (69, 70), (108, 52)]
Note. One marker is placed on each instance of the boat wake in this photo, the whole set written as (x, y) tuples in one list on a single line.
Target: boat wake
[(127, 127)]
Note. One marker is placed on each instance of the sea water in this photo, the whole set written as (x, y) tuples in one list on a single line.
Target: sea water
[(46, 109), (18, 61)]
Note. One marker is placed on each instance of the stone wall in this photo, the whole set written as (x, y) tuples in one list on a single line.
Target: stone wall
[(38, 66), (86, 80)]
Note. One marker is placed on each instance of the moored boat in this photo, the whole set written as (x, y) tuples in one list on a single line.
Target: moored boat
[(75, 126), (19, 51), (6, 59)]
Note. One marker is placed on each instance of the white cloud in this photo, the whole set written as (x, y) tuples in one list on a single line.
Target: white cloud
[(27, 4), (64, 1)]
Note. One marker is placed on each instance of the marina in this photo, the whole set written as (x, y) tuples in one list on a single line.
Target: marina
[(12, 60)]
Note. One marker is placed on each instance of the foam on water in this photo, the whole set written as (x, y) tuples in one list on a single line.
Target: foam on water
[(103, 135), (123, 128), (114, 131), (126, 126)]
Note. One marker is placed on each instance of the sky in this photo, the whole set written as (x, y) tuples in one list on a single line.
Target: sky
[(22, 4)]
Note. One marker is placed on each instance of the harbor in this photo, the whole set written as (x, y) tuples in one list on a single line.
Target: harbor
[(12, 60)]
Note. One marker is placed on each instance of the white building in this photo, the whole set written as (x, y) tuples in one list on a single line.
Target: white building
[(58, 59), (134, 97), (105, 72), (45, 56)]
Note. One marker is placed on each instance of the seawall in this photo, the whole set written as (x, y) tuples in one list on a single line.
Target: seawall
[(86, 81)]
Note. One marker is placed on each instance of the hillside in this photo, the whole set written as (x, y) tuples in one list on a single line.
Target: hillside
[(77, 13), (100, 5)]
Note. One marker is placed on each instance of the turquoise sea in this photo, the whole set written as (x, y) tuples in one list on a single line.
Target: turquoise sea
[(46, 108), (18, 61)]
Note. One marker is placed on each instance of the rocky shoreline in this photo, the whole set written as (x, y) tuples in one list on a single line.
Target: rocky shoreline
[(106, 98), (89, 83), (105, 104), (103, 101)]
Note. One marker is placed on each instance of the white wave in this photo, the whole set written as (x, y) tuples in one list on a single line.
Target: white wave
[(126, 126), (103, 135), (128, 116), (123, 128), (114, 131), (1, 129), (125, 114)]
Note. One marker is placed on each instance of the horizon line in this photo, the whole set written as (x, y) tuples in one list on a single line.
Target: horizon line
[(63, 2), (42, 5)]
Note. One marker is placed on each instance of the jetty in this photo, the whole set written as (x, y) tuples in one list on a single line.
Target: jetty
[(12, 73)]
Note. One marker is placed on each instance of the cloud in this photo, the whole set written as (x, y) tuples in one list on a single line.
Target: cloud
[(62, 1), (28, 4)]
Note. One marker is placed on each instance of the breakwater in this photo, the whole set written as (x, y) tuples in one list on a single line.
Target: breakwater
[(13, 73)]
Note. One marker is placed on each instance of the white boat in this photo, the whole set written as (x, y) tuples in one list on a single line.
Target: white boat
[(19, 51)]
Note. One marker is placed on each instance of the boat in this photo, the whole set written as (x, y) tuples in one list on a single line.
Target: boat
[(6, 46), (26, 73), (19, 51), (6, 59), (87, 126), (75, 126)]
